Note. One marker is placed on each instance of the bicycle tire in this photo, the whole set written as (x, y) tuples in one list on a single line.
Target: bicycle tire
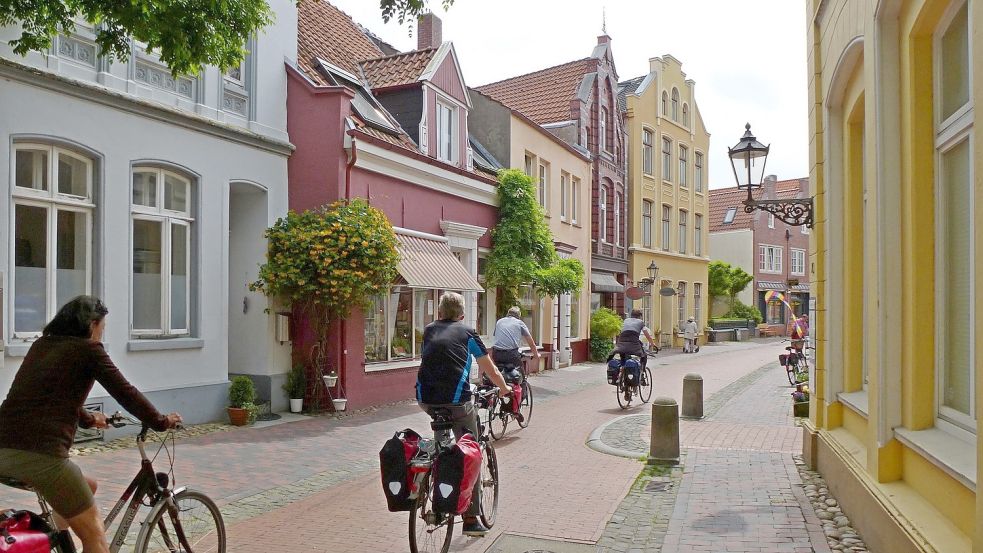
[(525, 406), (790, 371), (645, 389), (489, 481), (498, 421), (436, 530), (185, 535), (623, 392)]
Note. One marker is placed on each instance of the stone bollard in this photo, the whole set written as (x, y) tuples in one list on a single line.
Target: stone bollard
[(664, 445), (692, 396)]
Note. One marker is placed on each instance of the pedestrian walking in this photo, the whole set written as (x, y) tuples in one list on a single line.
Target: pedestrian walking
[(690, 330)]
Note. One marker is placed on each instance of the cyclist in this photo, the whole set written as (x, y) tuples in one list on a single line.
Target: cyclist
[(44, 405), (800, 329), (450, 348), (630, 340), (505, 353)]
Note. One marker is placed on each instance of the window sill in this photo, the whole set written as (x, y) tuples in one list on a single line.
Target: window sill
[(856, 401), (164, 343), (955, 456), (392, 365), (17, 350)]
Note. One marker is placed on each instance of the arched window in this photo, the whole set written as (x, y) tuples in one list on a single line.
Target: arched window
[(665, 103), (686, 114), (675, 104)]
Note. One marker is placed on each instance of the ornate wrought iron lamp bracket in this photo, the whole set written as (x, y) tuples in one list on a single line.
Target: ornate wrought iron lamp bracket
[(796, 212)]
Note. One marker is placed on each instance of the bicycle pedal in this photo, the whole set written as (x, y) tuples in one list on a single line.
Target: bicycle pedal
[(520, 418)]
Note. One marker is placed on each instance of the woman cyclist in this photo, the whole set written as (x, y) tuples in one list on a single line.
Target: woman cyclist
[(44, 405), (630, 340)]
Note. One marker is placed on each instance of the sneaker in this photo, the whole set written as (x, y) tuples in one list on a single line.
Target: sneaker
[(475, 529), (518, 416)]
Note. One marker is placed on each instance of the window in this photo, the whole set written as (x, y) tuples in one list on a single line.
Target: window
[(770, 259), (52, 204), (617, 218), (603, 130), (529, 304), (543, 190), (394, 323), (574, 315), (530, 165), (798, 262), (771, 221), (698, 175), (666, 211), (647, 223), (647, 153), (446, 133), (666, 159), (675, 104), (697, 302), (681, 297), (575, 200), (698, 234), (646, 309), (564, 195), (729, 216), (235, 87), (665, 103), (682, 230), (602, 214), (955, 221), (161, 233), (683, 165), (686, 115)]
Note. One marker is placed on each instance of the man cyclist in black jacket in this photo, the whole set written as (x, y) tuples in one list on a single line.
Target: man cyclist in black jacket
[(450, 349)]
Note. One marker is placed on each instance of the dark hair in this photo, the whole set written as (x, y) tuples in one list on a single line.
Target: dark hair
[(636, 313), (76, 317)]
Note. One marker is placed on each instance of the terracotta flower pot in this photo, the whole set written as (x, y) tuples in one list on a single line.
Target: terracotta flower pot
[(800, 408), (238, 416)]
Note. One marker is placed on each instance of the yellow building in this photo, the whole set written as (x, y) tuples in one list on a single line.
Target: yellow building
[(667, 172), (561, 174), (894, 421)]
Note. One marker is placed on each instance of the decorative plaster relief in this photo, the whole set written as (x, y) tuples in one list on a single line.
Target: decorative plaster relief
[(77, 50), (160, 77), (236, 103)]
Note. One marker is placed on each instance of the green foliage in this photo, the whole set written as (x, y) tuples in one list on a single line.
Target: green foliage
[(401, 10), (329, 260), (241, 392), (725, 280), (605, 323), (600, 348), (523, 251), (740, 310), (187, 34), (296, 384)]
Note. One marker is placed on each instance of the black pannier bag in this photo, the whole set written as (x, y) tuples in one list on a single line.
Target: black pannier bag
[(614, 366), (394, 462)]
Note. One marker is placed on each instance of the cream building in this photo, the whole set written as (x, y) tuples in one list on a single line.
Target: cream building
[(561, 174), (894, 418), (668, 206)]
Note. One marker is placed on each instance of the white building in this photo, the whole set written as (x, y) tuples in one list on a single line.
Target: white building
[(151, 192)]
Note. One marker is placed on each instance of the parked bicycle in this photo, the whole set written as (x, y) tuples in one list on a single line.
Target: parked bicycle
[(181, 520), (631, 380), (430, 531), (501, 411), (795, 360)]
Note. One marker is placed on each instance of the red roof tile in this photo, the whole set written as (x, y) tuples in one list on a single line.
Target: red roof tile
[(397, 70), (723, 199), (544, 96), (324, 31)]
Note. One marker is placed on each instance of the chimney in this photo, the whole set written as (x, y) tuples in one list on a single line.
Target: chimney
[(603, 39), (428, 32), (769, 187), (804, 187)]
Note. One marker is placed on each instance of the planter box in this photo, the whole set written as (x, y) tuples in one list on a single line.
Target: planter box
[(339, 404), (800, 408)]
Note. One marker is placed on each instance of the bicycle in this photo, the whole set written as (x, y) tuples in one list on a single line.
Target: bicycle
[(627, 388), (429, 530), (795, 361), (499, 412), (181, 520)]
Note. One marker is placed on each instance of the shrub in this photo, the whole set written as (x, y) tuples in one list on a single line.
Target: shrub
[(605, 324), (296, 384), (744, 311), (600, 348), (241, 392)]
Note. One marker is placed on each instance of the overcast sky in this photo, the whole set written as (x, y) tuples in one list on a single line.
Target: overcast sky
[(748, 58)]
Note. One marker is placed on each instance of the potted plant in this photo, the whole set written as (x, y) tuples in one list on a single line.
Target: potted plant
[(339, 404), (296, 387), (800, 398), (242, 394), (330, 379)]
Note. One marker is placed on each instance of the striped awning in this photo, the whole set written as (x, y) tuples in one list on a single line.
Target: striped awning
[(425, 263), (605, 282), (800, 288), (765, 285)]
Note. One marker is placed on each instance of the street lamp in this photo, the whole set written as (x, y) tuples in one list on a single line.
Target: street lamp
[(646, 283), (746, 155)]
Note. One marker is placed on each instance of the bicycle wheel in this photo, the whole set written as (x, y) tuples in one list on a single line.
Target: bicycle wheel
[(623, 392), (188, 523), (489, 485), (498, 420), (790, 370), (525, 407), (430, 532), (645, 389)]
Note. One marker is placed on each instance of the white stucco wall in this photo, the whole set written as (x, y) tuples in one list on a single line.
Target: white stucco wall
[(737, 248)]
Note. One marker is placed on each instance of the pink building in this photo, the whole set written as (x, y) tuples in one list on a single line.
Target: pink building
[(390, 127)]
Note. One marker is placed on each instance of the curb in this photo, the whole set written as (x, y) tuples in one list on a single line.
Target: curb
[(594, 441)]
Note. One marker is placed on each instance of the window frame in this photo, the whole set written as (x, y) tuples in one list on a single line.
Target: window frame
[(564, 195), (618, 203), (648, 152), (772, 265), (666, 226), (797, 267), (675, 104), (729, 215), (698, 234), (602, 212), (681, 302), (440, 108), (682, 223), (698, 172), (697, 304), (647, 223), (574, 200), (603, 142), (683, 166), (665, 104), (667, 159)]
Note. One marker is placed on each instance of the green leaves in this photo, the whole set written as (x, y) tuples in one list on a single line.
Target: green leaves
[(186, 34), (402, 10), (605, 324), (727, 280)]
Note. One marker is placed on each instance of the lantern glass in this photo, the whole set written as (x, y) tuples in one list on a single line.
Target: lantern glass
[(748, 159)]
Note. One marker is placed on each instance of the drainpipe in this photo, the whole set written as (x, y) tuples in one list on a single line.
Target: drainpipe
[(348, 168), (343, 353)]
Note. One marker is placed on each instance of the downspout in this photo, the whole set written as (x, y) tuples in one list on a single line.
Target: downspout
[(343, 353), (351, 163)]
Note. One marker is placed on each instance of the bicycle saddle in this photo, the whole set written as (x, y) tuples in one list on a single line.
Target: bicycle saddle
[(441, 419), (15, 483)]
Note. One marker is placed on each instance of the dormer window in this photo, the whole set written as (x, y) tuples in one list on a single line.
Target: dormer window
[(446, 132), (603, 138)]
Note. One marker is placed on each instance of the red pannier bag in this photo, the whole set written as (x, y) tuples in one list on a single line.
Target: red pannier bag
[(516, 397), (394, 463), (25, 532), (454, 475)]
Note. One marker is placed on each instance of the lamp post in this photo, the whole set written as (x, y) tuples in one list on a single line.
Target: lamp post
[(752, 157), (653, 274)]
